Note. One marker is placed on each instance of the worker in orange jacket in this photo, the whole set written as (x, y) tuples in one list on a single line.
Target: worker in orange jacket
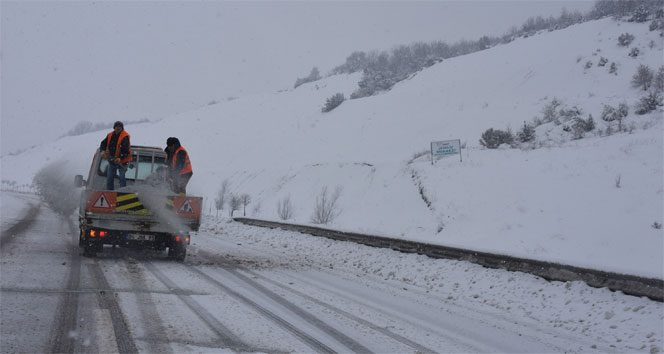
[(116, 148), (178, 166)]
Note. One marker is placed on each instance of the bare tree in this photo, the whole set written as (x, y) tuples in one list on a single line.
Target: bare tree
[(326, 208), (256, 210), (221, 196), (245, 199), (234, 203), (285, 208)]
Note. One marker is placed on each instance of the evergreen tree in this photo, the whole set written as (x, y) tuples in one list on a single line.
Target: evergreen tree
[(526, 134), (643, 77), (333, 102)]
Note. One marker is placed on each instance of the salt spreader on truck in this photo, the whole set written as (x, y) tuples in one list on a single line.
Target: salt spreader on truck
[(143, 214)]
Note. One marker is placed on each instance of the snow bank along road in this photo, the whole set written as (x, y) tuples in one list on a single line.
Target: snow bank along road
[(632, 285), (247, 289)]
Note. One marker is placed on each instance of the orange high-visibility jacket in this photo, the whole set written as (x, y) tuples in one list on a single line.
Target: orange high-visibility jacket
[(123, 134), (186, 168)]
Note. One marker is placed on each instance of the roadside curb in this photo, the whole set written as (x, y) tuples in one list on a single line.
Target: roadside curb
[(628, 284)]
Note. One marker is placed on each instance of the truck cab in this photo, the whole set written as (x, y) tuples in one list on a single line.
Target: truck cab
[(143, 214)]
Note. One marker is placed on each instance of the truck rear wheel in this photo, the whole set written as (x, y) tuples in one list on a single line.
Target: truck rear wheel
[(90, 250), (178, 251)]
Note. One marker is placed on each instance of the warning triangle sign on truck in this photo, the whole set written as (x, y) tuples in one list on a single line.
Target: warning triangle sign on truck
[(186, 207), (102, 202)]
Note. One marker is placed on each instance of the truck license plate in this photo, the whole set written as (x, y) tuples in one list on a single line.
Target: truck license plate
[(141, 237)]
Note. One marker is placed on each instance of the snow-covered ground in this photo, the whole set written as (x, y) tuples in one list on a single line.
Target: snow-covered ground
[(13, 206), (593, 319), (592, 202), (235, 274)]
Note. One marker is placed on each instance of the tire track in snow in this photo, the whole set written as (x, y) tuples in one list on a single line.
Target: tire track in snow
[(350, 343), (156, 337), (312, 342), (450, 332), (399, 338), (107, 301), (65, 322), (227, 338), (9, 235)]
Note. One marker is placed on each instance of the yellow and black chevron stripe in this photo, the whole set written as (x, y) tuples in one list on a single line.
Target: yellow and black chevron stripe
[(128, 203)]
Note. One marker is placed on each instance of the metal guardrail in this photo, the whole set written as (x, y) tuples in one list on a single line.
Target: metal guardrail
[(628, 284)]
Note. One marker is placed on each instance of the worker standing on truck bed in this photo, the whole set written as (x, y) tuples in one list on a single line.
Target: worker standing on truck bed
[(178, 165), (117, 149)]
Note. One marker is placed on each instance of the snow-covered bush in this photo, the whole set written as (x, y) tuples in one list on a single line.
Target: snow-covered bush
[(610, 114), (643, 77), (649, 103), (550, 112), (526, 134), (581, 126), (492, 138), (568, 114), (656, 25), (658, 81), (602, 61), (314, 75), (356, 61), (333, 102), (634, 52), (613, 69), (641, 14), (625, 39)]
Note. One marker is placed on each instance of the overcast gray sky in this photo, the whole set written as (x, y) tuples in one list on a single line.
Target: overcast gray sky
[(65, 62)]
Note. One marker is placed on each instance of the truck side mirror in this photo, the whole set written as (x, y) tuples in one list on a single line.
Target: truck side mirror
[(79, 181)]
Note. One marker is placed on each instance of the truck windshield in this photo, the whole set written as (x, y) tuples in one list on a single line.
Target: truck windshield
[(139, 168)]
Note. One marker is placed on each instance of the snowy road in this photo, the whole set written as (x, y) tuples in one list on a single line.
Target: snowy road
[(246, 289)]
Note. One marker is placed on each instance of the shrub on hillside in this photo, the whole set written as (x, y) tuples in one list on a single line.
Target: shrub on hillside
[(634, 52), (333, 102), (658, 81), (602, 61), (493, 138), (649, 103), (550, 112), (656, 25), (613, 69), (526, 134), (567, 114), (580, 126), (610, 114), (356, 61), (314, 75), (625, 39), (643, 77), (641, 14)]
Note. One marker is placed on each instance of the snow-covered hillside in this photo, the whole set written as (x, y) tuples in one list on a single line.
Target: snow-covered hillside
[(592, 202)]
